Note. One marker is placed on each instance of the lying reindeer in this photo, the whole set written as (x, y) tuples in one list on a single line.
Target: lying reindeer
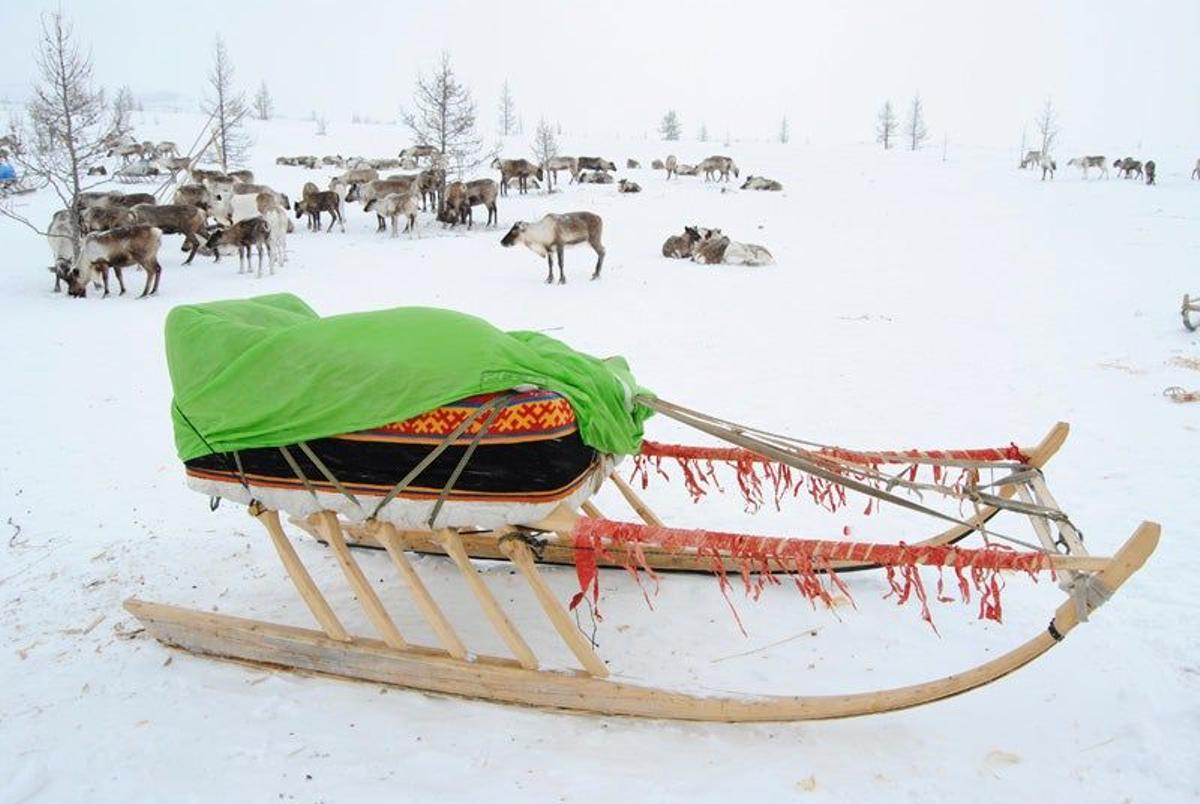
[(632, 164), (554, 232), (720, 250), (627, 186), (680, 247), (594, 177), (761, 183)]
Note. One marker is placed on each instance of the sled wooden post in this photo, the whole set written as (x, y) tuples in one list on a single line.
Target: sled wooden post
[(516, 643), (327, 523), (303, 582), (635, 502), (592, 510), (519, 553), (386, 534)]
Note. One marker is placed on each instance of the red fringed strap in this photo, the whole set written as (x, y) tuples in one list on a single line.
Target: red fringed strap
[(753, 470), (761, 559)]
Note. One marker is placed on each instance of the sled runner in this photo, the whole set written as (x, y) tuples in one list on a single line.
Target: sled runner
[(446, 435)]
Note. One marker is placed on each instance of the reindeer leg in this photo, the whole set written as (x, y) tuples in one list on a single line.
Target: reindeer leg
[(600, 258), (104, 275), (562, 278), (549, 268), (120, 281)]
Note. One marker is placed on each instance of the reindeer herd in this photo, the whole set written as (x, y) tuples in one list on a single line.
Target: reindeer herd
[(1127, 168)]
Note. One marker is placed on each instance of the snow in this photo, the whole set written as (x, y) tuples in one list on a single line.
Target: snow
[(914, 302)]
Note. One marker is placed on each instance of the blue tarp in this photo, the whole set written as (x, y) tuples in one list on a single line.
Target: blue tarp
[(7, 173)]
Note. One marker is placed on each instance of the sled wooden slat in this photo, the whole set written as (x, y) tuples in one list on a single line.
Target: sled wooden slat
[(327, 524), (635, 502), (487, 601), (591, 510), (521, 556), (387, 535), (304, 649), (303, 582)]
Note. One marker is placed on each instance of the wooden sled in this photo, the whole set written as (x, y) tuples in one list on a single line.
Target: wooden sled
[(484, 544), (387, 657)]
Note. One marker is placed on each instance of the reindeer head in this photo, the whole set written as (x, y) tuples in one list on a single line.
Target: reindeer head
[(514, 234)]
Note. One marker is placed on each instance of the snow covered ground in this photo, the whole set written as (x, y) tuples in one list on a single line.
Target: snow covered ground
[(914, 302)]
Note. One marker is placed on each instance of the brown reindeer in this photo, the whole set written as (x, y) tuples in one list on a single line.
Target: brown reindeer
[(197, 195), (553, 233), (520, 169), (429, 185), (719, 166), (99, 218), (595, 163), (557, 163), (376, 190), (627, 186), (1150, 171), (462, 197), (321, 201), (117, 249), (672, 166), (130, 199), (185, 219), (243, 235)]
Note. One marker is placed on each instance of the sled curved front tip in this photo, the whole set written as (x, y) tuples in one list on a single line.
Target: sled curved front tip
[(506, 681)]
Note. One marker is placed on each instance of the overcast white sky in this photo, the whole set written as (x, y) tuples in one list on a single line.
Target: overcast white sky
[(1119, 73)]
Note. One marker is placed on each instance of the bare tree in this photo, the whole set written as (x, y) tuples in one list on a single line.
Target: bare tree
[(914, 126), (508, 112), (545, 144), (227, 108), (322, 126), (670, 128), (122, 108), (886, 125), (264, 105), (1047, 126), (67, 127), (703, 135), (444, 116), (784, 133)]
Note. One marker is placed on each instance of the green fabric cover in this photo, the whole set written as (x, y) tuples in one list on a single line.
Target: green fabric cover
[(268, 371)]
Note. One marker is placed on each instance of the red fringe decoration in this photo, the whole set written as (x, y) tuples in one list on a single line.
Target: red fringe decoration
[(696, 465), (760, 559)]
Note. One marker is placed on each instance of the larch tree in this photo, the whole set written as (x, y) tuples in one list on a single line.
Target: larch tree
[(508, 112), (886, 125), (68, 128), (703, 134), (227, 108), (914, 125), (785, 133), (122, 110), (545, 144), (443, 114), (670, 128), (264, 105), (1047, 126)]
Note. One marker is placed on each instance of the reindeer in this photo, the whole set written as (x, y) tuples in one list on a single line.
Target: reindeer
[(166, 148), (244, 176), (314, 217), (197, 195), (243, 235), (633, 164), (116, 249), (520, 169), (131, 199), (719, 166), (672, 166), (429, 184), (557, 163), (1127, 167), (376, 190), (1085, 162), (100, 218), (1150, 170), (594, 177), (719, 249), (322, 201), (395, 205), (63, 237), (657, 164), (680, 247), (1196, 170), (1030, 159), (95, 170), (761, 183), (1047, 165), (418, 152), (552, 233), (595, 163), (627, 186), (185, 219), (461, 198)]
